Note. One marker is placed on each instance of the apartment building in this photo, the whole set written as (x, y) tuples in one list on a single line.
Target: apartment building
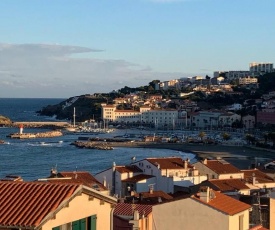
[(247, 80), (257, 68)]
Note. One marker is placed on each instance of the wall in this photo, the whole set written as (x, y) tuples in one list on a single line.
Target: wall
[(188, 214), (81, 207), (272, 213)]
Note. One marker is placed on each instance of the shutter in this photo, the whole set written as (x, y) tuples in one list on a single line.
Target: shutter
[(56, 228), (93, 222), (76, 225), (83, 224)]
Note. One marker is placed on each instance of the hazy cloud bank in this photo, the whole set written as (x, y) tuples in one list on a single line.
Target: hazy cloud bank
[(39, 70)]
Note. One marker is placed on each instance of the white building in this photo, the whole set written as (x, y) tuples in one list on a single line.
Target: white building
[(248, 80), (163, 173), (257, 68)]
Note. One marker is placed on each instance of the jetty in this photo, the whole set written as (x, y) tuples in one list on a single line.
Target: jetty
[(42, 124), (35, 135), (92, 145)]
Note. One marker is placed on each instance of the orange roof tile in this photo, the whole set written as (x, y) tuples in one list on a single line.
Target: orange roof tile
[(168, 162), (258, 227), (221, 167), (26, 204), (260, 176), (126, 209), (138, 178), (155, 194), (228, 184), (128, 168), (84, 178), (224, 203)]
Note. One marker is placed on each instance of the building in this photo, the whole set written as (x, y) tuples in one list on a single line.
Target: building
[(258, 68), (248, 80), (249, 121), (205, 119), (201, 211), (266, 117), (162, 173), (218, 169), (45, 206)]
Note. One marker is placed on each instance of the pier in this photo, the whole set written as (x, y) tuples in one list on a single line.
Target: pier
[(42, 124)]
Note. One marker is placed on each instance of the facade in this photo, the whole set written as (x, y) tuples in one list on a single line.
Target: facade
[(205, 119), (248, 80), (249, 121), (227, 119), (218, 169), (53, 206), (257, 68), (161, 173), (265, 117), (201, 211)]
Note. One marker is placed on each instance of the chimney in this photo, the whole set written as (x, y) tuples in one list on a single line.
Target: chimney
[(140, 197), (104, 181), (185, 164), (136, 215), (114, 166), (204, 194), (151, 189), (253, 179), (205, 161)]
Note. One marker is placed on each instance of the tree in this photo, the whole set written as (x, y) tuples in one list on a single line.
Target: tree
[(201, 135), (226, 136)]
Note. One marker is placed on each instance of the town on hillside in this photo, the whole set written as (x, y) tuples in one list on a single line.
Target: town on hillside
[(148, 194), (161, 193)]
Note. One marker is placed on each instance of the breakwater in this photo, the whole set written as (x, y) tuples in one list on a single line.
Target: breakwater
[(35, 135)]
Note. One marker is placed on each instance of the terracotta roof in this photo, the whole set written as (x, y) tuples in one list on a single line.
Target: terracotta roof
[(126, 209), (84, 178), (260, 176), (128, 168), (155, 194), (26, 204), (126, 111), (224, 203), (138, 178), (258, 227), (221, 167), (226, 185), (167, 162)]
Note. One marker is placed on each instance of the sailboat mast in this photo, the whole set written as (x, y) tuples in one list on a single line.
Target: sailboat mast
[(74, 116)]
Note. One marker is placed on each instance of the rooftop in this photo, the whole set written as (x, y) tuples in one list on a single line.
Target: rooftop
[(221, 166)]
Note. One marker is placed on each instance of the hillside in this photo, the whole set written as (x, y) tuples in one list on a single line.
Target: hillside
[(86, 107), (4, 121)]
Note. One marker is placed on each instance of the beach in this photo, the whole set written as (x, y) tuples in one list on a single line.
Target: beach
[(204, 151)]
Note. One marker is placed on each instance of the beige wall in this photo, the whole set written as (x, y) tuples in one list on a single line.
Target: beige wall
[(192, 215), (79, 208), (234, 221), (272, 213)]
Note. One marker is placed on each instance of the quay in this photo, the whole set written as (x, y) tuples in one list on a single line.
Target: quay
[(42, 124)]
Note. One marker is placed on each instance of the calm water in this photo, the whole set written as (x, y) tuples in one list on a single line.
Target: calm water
[(34, 158)]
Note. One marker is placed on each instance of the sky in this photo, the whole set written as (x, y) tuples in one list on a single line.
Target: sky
[(65, 48)]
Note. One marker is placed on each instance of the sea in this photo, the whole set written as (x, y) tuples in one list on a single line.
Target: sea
[(33, 159)]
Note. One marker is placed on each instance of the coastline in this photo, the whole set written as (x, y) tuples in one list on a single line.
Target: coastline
[(203, 151)]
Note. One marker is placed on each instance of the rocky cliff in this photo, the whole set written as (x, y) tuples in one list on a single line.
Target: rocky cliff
[(4, 121), (86, 107)]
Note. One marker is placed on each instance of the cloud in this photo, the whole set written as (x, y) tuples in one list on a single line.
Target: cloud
[(51, 70)]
